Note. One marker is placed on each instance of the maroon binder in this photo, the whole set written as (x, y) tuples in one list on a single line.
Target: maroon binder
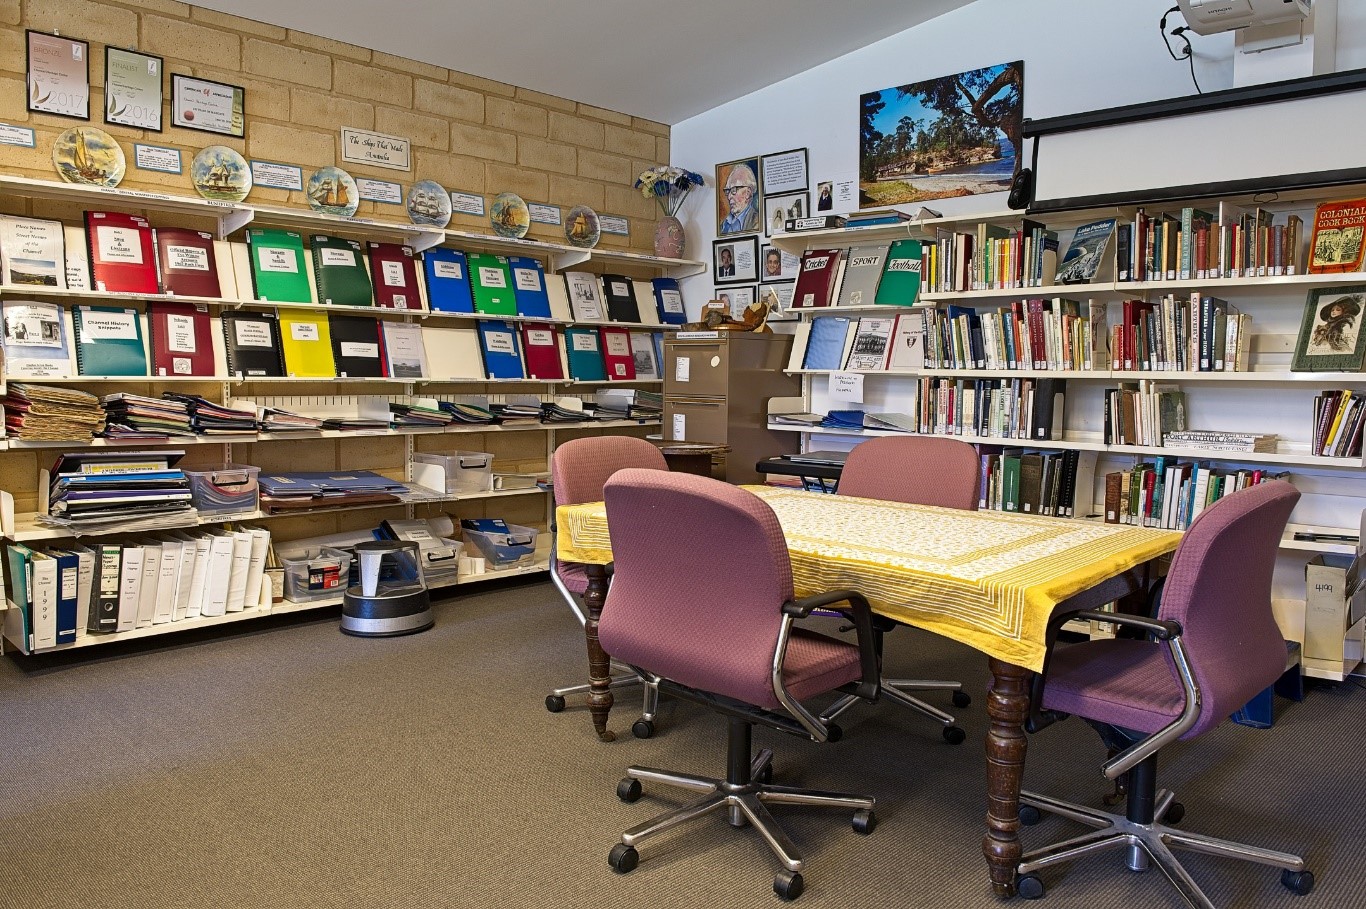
[(188, 266), (121, 256), (394, 275), (541, 347)]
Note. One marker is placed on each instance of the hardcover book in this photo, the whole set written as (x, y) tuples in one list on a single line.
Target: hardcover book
[(502, 355), (584, 300), (121, 253), (252, 344), (643, 350), (32, 252), (188, 265), (616, 354), (585, 355), (900, 284), (182, 339), (35, 340), (339, 272), (907, 347), (862, 273), (817, 278), (356, 346), (669, 301), (528, 287), (492, 282), (1088, 256), (395, 276), (1336, 243), (621, 299), (278, 274), (109, 342), (542, 344), (306, 342), (405, 357), (448, 280)]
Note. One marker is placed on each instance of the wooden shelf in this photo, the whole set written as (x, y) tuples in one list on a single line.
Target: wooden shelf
[(229, 216), (1267, 376)]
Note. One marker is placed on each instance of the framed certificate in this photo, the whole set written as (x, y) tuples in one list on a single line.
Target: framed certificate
[(58, 76), (211, 107), (132, 89)]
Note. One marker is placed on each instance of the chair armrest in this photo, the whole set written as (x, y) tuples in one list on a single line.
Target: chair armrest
[(861, 614), (800, 609), (1160, 629)]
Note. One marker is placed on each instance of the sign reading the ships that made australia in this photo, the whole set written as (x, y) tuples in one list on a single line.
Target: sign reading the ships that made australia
[(362, 147)]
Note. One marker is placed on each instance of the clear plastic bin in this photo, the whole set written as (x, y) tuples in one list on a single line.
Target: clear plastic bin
[(316, 574), (503, 550), (224, 490), (454, 473)]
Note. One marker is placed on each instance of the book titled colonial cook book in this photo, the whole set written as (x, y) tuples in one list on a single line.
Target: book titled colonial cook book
[(1336, 244)]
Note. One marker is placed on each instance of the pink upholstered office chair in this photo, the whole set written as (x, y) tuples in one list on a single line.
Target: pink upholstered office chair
[(578, 470), (1214, 646), (921, 470), (701, 602)]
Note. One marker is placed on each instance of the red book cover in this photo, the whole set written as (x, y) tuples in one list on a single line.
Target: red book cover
[(816, 278), (616, 353), (182, 339), (541, 347), (187, 262), (122, 259), (1037, 349), (394, 275), (1336, 243)]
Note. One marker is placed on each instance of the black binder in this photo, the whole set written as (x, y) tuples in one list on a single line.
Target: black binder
[(356, 346), (621, 299), (252, 343)]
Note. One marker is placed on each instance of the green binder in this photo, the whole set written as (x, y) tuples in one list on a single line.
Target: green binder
[(339, 271), (585, 355), (900, 284), (109, 342), (492, 282), (278, 274)]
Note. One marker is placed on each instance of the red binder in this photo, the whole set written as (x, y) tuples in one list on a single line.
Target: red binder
[(121, 254), (541, 346), (616, 353), (182, 339), (394, 275), (818, 278), (187, 262)]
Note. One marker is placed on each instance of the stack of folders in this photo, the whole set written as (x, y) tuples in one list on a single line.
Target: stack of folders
[(427, 413), (355, 424), (210, 418), (627, 404), (518, 411), (274, 419), (843, 419), (305, 491), (45, 413), (130, 416), (99, 489), (557, 412), (461, 412)]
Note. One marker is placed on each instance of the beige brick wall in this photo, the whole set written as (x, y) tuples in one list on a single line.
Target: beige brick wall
[(469, 133)]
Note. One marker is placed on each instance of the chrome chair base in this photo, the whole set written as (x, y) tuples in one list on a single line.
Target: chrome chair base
[(1144, 844), (896, 690), (642, 728), (744, 803)]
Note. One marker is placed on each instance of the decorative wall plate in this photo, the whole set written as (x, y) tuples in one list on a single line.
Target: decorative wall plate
[(221, 174), (332, 191), (510, 216), (87, 154), (429, 203), (581, 227)]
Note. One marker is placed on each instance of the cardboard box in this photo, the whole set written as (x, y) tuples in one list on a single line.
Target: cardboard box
[(1334, 616)]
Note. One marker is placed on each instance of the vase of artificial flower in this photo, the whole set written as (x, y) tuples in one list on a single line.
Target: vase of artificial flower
[(668, 186)]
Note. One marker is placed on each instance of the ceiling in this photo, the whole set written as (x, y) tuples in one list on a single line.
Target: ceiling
[(663, 60)]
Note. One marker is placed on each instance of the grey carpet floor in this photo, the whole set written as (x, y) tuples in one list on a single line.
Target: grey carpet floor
[(292, 766)]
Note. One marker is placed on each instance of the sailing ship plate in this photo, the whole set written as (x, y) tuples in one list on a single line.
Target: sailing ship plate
[(221, 174), (510, 216), (86, 154), (581, 227), (429, 203), (332, 191)]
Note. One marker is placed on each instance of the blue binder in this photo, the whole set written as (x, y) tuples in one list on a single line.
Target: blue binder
[(448, 280), (825, 345), (669, 301), (585, 355), (528, 287), (68, 585), (502, 354)]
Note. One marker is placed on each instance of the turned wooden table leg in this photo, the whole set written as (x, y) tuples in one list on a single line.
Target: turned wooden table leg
[(599, 666), (1007, 707)]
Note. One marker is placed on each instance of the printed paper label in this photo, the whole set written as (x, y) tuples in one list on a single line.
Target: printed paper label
[(680, 427), (586, 342), (108, 326), (449, 270), (682, 367), (359, 349), (618, 345), (252, 334), (491, 277), (500, 342), (539, 337), (119, 244), (187, 258), (527, 279), (180, 334), (393, 274), (673, 301), (181, 366), (342, 257), (619, 369), (620, 289), (272, 258), (304, 331)]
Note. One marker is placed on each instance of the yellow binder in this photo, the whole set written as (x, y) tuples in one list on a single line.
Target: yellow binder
[(307, 343)]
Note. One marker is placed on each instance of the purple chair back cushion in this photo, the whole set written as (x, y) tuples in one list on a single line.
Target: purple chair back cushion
[(920, 470), (580, 467), (700, 574), (1219, 589)]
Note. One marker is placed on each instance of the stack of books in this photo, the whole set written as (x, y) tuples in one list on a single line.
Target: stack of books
[(627, 404), (135, 490), (1338, 420), (47, 413), (1216, 440), (1169, 494), (517, 412), (556, 412), (130, 416)]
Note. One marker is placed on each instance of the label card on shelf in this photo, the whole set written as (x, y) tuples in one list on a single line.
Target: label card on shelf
[(846, 387)]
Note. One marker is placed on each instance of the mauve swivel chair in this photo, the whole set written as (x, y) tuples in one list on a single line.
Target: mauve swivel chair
[(920, 470), (578, 470), (701, 603), (1213, 645)]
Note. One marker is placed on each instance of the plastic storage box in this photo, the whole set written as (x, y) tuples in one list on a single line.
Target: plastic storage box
[(501, 547), (224, 490), (455, 473), (316, 573)]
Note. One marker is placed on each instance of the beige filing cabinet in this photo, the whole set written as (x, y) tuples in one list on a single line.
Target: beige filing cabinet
[(716, 388)]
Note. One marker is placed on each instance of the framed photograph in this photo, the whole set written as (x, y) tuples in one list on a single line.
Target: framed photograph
[(779, 300), (737, 197), (210, 107), (735, 261), (778, 209), (784, 172), (132, 89), (58, 76), (777, 265), (1331, 339), (955, 135), (736, 300)]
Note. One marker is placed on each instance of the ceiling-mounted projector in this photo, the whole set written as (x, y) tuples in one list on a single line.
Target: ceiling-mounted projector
[(1209, 17)]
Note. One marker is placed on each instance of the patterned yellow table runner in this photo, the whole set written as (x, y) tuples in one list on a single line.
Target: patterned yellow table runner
[(988, 579)]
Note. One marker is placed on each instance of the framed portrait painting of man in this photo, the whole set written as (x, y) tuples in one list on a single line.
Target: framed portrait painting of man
[(1331, 339), (737, 198)]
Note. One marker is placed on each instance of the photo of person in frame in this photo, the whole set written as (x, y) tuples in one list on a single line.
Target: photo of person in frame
[(738, 197), (825, 197), (773, 263), (725, 262), (1337, 327)]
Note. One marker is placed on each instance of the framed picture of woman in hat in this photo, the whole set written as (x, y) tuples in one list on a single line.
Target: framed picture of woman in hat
[(1331, 339)]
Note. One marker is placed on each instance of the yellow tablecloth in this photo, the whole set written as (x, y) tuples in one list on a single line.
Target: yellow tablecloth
[(988, 579)]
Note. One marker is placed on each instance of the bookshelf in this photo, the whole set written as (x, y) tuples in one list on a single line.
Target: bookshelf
[(1266, 397), (515, 447)]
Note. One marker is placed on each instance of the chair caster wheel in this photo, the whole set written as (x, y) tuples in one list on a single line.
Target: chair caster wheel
[(1175, 812), (554, 703), (628, 790), (961, 699), (623, 858), (1029, 815), (865, 821), (1298, 882), (1029, 887), (833, 733), (789, 884), (953, 735), (642, 729)]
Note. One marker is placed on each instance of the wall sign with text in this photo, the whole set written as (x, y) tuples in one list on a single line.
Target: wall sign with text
[(363, 147)]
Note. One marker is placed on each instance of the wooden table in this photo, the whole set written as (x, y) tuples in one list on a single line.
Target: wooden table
[(988, 579)]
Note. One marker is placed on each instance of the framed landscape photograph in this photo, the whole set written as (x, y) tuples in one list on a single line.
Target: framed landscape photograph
[(1331, 339), (735, 261), (778, 209), (737, 197)]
